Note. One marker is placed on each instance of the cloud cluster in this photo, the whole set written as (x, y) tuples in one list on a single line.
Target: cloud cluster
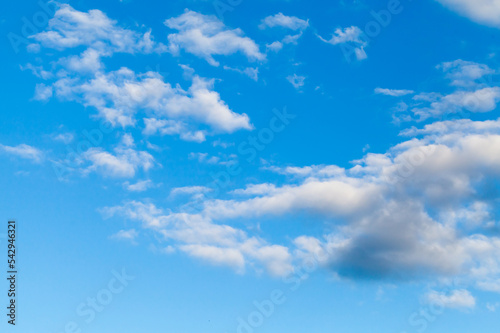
[(206, 36), (476, 90), (120, 96), (280, 20), (418, 211), (349, 36), (197, 236), (70, 28), (286, 22)]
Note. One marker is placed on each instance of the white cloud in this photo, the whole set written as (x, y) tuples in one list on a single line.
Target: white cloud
[(486, 12), (251, 72), (128, 235), (280, 20), (65, 138), (42, 92), (297, 81), (38, 71), (492, 307), (140, 186), (492, 285), (350, 35), (171, 127), (70, 28), (24, 151), (410, 213), (119, 95), (460, 298), (393, 92), (256, 189), (480, 100), (199, 237), (288, 39), (204, 158), (474, 91), (275, 46), (190, 190), (464, 73), (216, 255), (124, 163), (87, 62), (206, 36)]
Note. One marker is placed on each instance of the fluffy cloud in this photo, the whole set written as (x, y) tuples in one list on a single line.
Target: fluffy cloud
[(24, 151), (460, 298), (480, 100), (280, 20), (217, 244), (464, 73), (347, 37), (124, 162), (206, 36), (70, 28), (42, 92), (417, 211), (414, 212), (476, 91), (481, 11), (120, 94)]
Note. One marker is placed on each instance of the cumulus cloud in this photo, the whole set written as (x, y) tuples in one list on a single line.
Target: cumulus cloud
[(23, 151), (123, 162), (120, 94), (486, 12), (480, 100), (42, 92), (460, 298), (280, 20), (70, 28), (199, 237), (475, 91), (411, 213), (206, 36), (464, 73)]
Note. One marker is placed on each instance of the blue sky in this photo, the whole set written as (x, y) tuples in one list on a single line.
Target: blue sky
[(253, 166)]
